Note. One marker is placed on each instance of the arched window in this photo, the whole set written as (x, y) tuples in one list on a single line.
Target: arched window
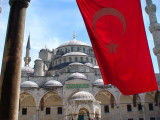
[(68, 70), (81, 59), (64, 60), (76, 59), (65, 50), (78, 49), (84, 50), (71, 49), (70, 59), (91, 60), (59, 61), (86, 59)]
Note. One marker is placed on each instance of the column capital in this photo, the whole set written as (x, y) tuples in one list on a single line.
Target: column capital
[(26, 2)]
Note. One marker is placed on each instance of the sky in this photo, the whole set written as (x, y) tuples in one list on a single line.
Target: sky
[(53, 22)]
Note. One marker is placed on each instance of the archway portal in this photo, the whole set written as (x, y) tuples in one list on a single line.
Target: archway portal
[(83, 114)]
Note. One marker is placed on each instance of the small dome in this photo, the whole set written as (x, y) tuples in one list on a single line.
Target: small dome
[(29, 84), (75, 54), (27, 70), (96, 67), (76, 63), (89, 64), (82, 95), (38, 59), (53, 83), (98, 82), (73, 42), (77, 76), (45, 49)]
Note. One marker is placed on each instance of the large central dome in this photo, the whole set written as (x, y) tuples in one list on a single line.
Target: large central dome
[(73, 42)]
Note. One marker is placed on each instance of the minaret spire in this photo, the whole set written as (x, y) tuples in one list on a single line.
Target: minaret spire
[(27, 58), (74, 35), (28, 43), (154, 28)]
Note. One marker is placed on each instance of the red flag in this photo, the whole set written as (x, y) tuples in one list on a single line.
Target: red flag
[(118, 37)]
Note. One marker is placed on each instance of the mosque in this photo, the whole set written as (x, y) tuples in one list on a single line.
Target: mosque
[(66, 84)]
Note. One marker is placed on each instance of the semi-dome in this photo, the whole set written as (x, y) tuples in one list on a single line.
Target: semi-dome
[(82, 95), (89, 64), (27, 70), (77, 76), (53, 83), (76, 63), (73, 42), (98, 82), (29, 84), (75, 54)]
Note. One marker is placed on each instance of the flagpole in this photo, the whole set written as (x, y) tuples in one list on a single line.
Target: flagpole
[(154, 28)]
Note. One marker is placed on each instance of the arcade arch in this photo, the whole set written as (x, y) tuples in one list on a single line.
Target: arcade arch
[(27, 106), (50, 104), (107, 103)]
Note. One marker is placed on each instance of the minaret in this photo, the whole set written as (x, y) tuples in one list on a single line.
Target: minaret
[(27, 58), (74, 36), (154, 28)]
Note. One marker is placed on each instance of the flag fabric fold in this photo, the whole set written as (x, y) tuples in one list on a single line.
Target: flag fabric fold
[(118, 37)]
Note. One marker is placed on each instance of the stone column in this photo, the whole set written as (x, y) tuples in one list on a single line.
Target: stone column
[(12, 58), (75, 117), (154, 28), (143, 109), (37, 114), (118, 112)]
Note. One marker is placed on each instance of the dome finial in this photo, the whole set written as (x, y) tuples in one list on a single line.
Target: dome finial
[(74, 35)]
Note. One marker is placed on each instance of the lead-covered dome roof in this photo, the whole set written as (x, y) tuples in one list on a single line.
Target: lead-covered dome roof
[(75, 54), (98, 82), (82, 95), (73, 42), (27, 70), (76, 63), (53, 83), (77, 76), (89, 65), (29, 84)]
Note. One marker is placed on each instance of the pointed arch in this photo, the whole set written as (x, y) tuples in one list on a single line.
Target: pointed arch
[(50, 99), (108, 94), (136, 99), (28, 102)]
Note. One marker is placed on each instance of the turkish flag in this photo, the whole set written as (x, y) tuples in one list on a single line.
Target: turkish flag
[(118, 37)]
